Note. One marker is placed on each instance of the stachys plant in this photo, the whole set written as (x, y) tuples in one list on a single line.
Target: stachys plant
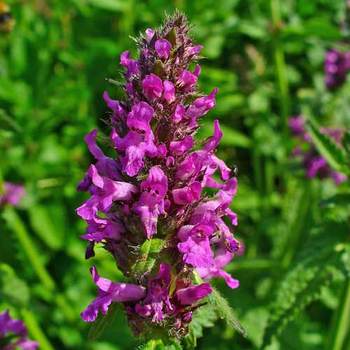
[(314, 163), (14, 334), (158, 205)]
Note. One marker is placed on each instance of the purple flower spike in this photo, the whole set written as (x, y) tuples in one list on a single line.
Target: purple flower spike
[(14, 334), (315, 165), (159, 202)]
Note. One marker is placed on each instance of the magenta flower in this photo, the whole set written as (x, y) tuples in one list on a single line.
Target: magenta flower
[(11, 194), (109, 292), (162, 47), (169, 91), (336, 66), (155, 189), (190, 295), (315, 165), (151, 203), (14, 335), (152, 86)]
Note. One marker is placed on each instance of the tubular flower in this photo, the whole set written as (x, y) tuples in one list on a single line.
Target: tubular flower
[(13, 334), (11, 194), (159, 204), (315, 165)]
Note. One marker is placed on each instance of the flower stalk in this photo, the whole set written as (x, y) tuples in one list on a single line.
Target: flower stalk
[(342, 320)]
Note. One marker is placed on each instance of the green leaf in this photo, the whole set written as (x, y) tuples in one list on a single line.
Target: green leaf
[(345, 259), (109, 5), (12, 289), (34, 329), (204, 317), (340, 331), (316, 266), (346, 142), (322, 28), (231, 136), (335, 156), (341, 199), (157, 344), (252, 29), (102, 322), (44, 226), (225, 311), (300, 288), (151, 246), (148, 253), (16, 225)]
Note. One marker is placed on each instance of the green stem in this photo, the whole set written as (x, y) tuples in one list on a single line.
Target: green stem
[(35, 331), (342, 320), (258, 176), (280, 64), (269, 178), (16, 225), (301, 212)]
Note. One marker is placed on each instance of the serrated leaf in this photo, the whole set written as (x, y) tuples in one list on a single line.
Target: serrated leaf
[(305, 288), (203, 317), (316, 267), (335, 156), (102, 322), (225, 311)]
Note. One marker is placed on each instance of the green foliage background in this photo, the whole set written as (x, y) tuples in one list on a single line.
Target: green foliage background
[(266, 57)]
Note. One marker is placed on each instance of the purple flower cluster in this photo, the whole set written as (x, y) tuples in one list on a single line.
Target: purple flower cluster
[(336, 66), (160, 187), (13, 334), (315, 165), (11, 194)]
